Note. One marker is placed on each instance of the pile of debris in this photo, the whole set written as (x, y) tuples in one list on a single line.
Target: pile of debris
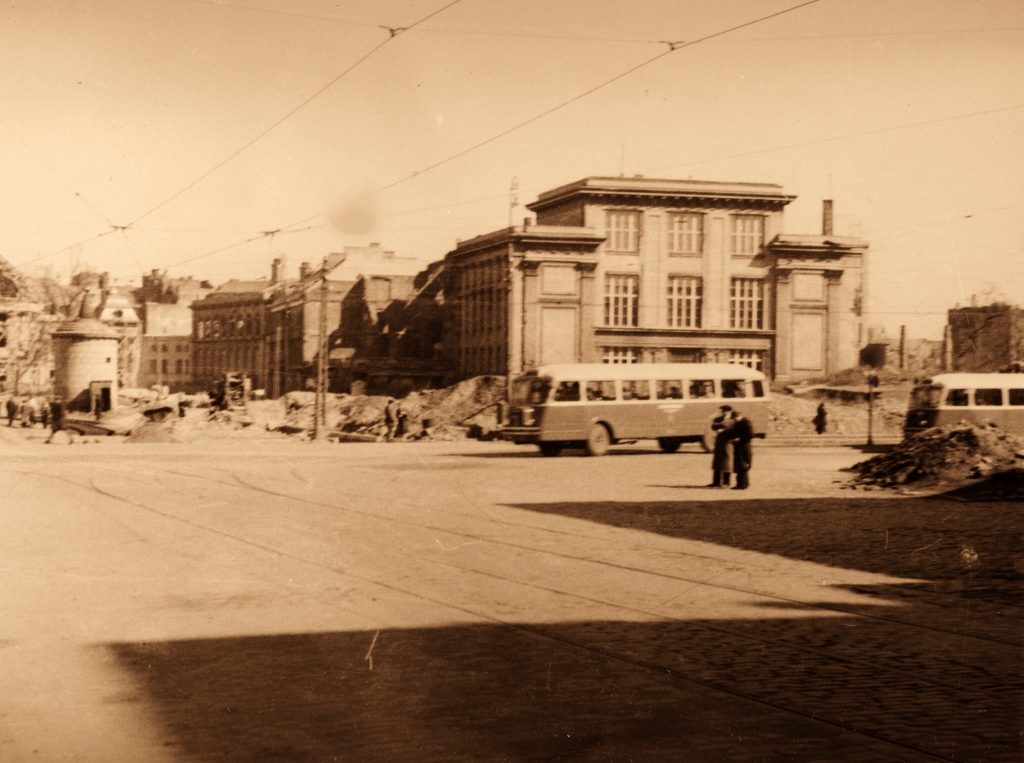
[(469, 408), (942, 457)]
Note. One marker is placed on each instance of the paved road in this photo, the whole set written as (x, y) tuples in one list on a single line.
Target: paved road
[(294, 602)]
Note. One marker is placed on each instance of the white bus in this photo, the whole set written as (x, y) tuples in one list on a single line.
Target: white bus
[(948, 399), (595, 405)]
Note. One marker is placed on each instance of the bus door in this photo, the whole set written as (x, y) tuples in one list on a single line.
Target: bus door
[(565, 415), (670, 407)]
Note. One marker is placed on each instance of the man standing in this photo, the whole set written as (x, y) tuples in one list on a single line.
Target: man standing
[(820, 419), (391, 418), (722, 425), (57, 420), (12, 410), (741, 433)]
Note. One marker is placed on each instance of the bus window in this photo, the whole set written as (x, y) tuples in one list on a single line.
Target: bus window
[(733, 388), (670, 390), (758, 387), (957, 397), (1017, 397), (636, 390), (699, 389), (988, 397), (567, 392), (601, 390), (533, 391)]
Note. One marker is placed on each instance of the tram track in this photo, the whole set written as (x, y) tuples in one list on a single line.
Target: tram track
[(661, 670)]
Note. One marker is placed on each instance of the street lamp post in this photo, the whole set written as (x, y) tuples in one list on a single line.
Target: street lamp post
[(872, 385)]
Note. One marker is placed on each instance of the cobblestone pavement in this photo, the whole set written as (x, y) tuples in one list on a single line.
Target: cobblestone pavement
[(475, 602)]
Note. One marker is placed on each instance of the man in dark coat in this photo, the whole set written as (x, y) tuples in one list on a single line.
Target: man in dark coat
[(12, 410), (58, 420), (741, 433), (721, 424), (820, 419)]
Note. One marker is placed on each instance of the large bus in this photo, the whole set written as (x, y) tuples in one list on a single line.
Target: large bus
[(595, 405), (948, 399)]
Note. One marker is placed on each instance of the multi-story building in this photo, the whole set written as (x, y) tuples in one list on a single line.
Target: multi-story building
[(627, 270), (166, 358), (26, 358), (986, 338), (229, 333)]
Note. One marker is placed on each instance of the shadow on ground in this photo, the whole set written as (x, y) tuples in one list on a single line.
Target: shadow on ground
[(939, 677)]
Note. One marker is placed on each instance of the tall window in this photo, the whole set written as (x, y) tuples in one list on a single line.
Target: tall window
[(177, 367), (685, 234), (620, 300), (746, 304), (747, 234), (621, 355), (684, 301), (623, 231)]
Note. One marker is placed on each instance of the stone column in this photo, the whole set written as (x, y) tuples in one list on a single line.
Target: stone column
[(589, 311), (530, 314), (833, 321), (716, 274), (651, 303), (783, 325)]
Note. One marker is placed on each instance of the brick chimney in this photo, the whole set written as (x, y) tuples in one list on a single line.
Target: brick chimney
[(303, 271), (276, 273), (826, 217)]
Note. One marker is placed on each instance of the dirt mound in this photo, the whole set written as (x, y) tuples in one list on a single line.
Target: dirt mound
[(153, 431), (942, 456), (441, 414)]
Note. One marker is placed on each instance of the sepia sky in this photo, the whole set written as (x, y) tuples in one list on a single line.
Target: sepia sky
[(134, 114)]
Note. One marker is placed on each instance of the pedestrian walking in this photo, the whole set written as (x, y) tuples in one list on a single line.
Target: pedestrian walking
[(12, 410), (820, 419), (58, 420), (742, 433), (391, 418), (721, 425)]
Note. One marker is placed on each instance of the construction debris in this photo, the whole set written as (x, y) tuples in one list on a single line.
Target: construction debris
[(942, 457)]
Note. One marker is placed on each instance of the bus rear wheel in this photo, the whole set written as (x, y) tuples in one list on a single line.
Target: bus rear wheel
[(550, 448), (598, 441), (669, 444)]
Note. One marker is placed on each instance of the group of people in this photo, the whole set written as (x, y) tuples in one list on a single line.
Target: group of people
[(51, 413), (732, 430)]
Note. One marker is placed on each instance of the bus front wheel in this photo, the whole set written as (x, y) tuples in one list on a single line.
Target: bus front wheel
[(550, 448), (598, 440), (669, 444)]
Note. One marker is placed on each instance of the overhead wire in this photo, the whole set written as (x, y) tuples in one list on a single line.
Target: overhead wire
[(672, 48), (394, 32)]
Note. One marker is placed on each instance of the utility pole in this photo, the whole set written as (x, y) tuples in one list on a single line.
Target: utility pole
[(320, 407)]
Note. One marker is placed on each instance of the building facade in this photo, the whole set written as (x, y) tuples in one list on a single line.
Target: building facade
[(229, 333), (166, 358), (628, 270)]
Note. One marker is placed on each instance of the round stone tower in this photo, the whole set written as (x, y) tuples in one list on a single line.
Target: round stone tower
[(85, 361)]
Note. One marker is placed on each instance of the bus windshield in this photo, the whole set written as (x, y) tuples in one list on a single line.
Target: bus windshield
[(530, 390), (925, 397)]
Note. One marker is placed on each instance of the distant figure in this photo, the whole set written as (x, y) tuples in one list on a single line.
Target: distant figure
[(741, 433), (391, 418), (57, 420), (400, 425), (181, 407), (44, 413), (721, 424), (12, 410), (820, 419)]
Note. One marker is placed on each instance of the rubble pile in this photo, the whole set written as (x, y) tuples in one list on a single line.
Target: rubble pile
[(942, 456), (794, 415)]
